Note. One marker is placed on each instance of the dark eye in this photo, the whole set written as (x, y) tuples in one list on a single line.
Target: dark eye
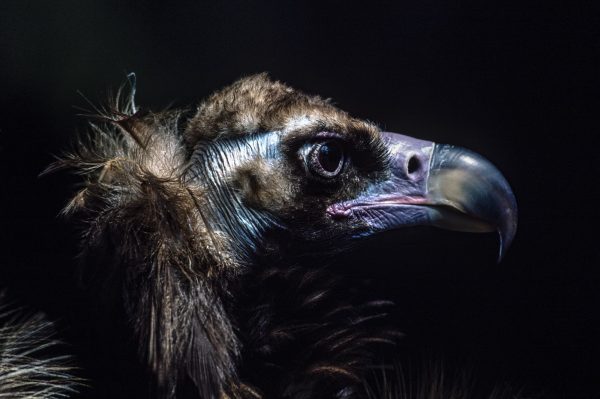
[(326, 159)]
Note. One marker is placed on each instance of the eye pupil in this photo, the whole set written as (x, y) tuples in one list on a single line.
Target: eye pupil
[(326, 159), (330, 157)]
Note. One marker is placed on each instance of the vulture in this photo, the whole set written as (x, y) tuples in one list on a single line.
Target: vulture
[(205, 235)]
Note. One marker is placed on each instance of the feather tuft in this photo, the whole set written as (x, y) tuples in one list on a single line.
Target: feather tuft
[(29, 367)]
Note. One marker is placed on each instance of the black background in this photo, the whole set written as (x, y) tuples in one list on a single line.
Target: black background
[(514, 81)]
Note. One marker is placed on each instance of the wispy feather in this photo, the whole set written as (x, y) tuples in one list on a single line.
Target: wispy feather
[(29, 367)]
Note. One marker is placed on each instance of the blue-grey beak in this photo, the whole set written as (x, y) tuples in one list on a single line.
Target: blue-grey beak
[(439, 185)]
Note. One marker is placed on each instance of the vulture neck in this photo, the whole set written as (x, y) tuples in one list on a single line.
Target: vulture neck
[(214, 165)]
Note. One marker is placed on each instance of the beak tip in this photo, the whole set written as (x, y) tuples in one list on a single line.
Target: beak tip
[(463, 177), (507, 232), (503, 247)]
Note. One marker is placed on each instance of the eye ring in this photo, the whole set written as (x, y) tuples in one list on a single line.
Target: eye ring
[(326, 159)]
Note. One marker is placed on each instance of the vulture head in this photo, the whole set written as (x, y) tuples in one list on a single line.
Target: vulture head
[(274, 158), (187, 217)]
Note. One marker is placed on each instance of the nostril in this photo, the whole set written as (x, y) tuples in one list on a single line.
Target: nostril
[(414, 165)]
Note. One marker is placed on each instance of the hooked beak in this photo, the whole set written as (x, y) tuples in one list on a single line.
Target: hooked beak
[(438, 185)]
